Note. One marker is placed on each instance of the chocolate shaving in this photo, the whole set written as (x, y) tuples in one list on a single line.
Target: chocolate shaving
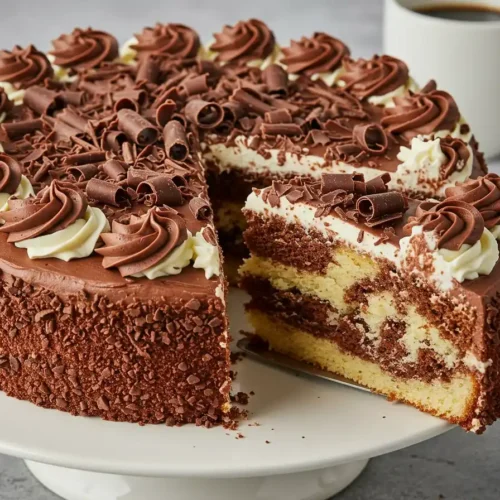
[(195, 85), (82, 158), (371, 137), (113, 140), (136, 128), (233, 111), (278, 116), (73, 97), (164, 112), (18, 129), (115, 170), (276, 79), (135, 176), (252, 100), (317, 137), (106, 193), (287, 129), (200, 208), (176, 144), (147, 70), (41, 100), (203, 114), (160, 190), (378, 184), (84, 172), (381, 208), (344, 182), (73, 119)]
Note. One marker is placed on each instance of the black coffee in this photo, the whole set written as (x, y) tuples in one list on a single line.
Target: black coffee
[(461, 12)]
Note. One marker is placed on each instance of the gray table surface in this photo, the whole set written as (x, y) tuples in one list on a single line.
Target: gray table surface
[(453, 466)]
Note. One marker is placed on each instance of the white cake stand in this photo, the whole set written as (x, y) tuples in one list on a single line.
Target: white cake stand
[(306, 439)]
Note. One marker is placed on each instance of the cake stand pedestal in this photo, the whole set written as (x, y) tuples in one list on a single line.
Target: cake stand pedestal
[(72, 484), (305, 439)]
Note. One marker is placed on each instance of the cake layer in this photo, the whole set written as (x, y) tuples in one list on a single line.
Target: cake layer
[(455, 399)]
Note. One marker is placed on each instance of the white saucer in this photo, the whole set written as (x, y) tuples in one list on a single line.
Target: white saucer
[(296, 424)]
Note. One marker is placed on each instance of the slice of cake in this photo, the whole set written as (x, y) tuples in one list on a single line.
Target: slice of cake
[(400, 296), (112, 297)]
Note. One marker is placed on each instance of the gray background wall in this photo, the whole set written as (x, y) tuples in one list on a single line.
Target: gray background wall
[(455, 466)]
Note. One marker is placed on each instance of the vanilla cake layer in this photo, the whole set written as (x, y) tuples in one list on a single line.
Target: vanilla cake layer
[(323, 294)]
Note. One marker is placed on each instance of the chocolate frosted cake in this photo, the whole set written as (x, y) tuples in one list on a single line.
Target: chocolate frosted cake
[(117, 166)]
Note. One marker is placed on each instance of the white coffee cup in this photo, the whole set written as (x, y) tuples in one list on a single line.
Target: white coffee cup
[(462, 56)]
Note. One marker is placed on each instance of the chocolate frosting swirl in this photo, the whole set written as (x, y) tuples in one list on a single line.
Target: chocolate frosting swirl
[(172, 40), (143, 242), (457, 154), (454, 223), (319, 54), (53, 209), (24, 67), (483, 193), (421, 114), (374, 77), (10, 174), (243, 42), (84, 49)]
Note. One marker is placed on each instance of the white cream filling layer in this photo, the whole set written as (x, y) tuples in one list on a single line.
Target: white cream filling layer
[(23, 191), (14, 95), (241, 157), (206, 256), (77, 241), (421, 166)]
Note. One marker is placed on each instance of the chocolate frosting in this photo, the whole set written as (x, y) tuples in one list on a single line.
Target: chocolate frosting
[(483, 193), (84, 49), (53, 209), (10, 174), (454, 223), (457, 154), (319, 54), (143, 242), (23, 67), (374, 77), (243, 42), (173, 40), (421, 113)]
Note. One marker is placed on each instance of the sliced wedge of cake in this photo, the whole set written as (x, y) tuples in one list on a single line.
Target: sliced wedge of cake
[(398, 295)]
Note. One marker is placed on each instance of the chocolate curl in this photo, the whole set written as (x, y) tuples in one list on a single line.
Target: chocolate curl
[(82, 158), (107, 193), (174, 137), (196, 85), (147, 70), (288, 129), (317, 137), (371, 137), (113, 140), (136, 128), (160, 190), (378, 184), (233, 111), (41, 100), (115, 170), (164, 112), (18, 129), (333, 182), (73, 97), (136, 175), (276, 79), (278, 116), (203, 114), (128, 99), (381, 208), (83, 172), (200, 208), (72, 119), (252, 100)]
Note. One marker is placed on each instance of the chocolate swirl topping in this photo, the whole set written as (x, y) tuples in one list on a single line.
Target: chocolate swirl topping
[(10, 174), (53, 209), (319, 54), (374, 77), (457, 154), (173, 40), (143, 242), (454, 223), (24, 67), (483, 193), (421, 113), (84, 49), (243, 42)]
